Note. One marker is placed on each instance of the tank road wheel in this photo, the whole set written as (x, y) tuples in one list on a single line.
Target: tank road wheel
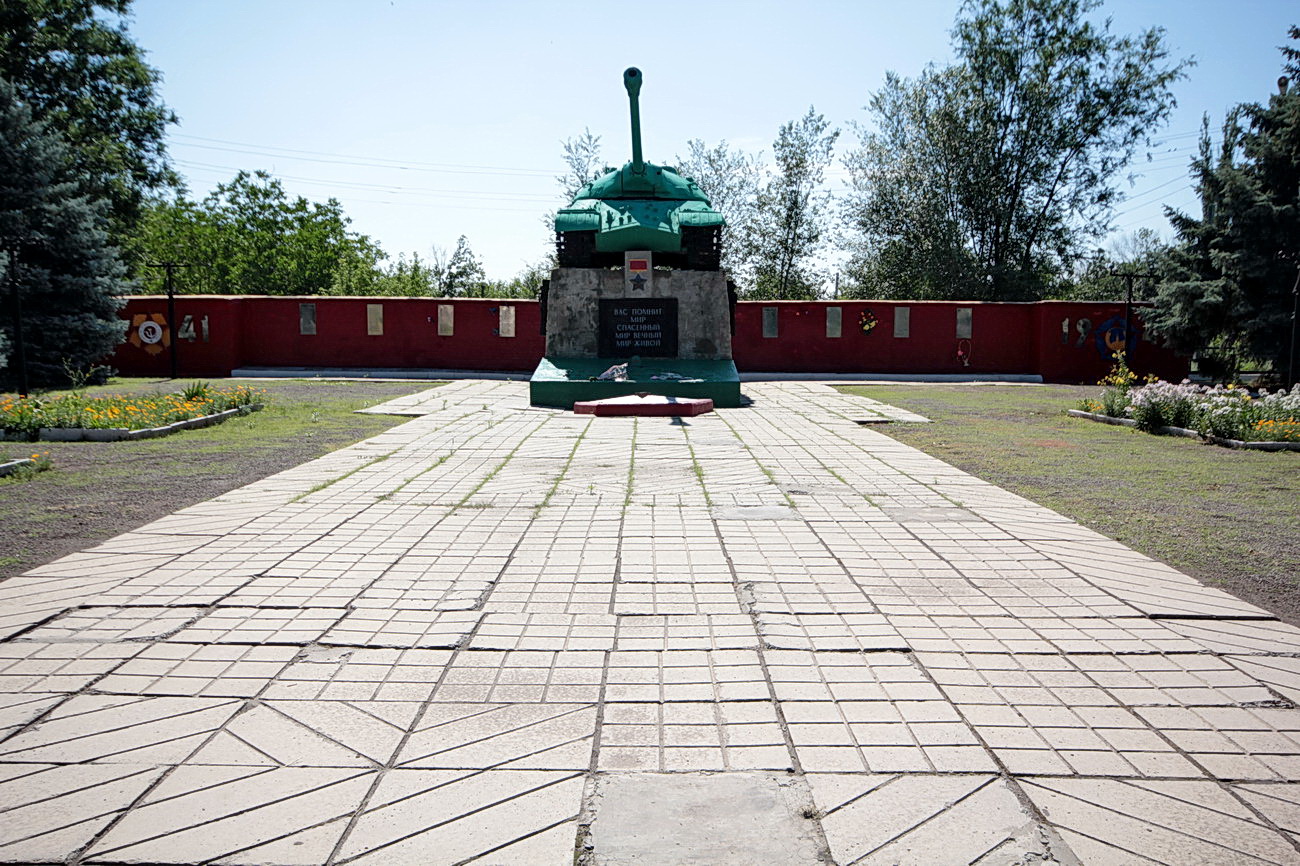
[(702, 246), (575, 249)]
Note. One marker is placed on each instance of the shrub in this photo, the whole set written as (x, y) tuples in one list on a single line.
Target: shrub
[(1115, 394)]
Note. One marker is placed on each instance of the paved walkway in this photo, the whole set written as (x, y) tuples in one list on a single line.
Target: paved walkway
[(765, 635)]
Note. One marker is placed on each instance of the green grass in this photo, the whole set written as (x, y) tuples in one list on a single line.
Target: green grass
[(1226, 517)]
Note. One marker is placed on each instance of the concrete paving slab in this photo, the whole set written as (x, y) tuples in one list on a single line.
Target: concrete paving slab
[(690, 820), (915, 820), (445, 643), (52, 810)]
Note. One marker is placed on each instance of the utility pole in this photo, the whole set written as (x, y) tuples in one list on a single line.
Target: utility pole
[(1129, 277), (170, 268), (1292, 362), (15, 297)]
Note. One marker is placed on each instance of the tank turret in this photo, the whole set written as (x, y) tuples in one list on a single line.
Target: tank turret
[(641, 206)]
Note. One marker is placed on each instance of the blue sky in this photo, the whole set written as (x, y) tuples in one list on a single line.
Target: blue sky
[(429, 120)]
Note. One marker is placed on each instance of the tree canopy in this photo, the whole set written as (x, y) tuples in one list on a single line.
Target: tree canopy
[(75, 65), (250, 237), (987, 178), (731, 179)]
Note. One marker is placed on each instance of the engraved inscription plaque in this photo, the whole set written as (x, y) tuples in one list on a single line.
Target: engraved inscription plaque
[(638, 326)]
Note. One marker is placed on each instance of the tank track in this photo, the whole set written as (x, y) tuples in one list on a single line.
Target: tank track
[(701, 251)]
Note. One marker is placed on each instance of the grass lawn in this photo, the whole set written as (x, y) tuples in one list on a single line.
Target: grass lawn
[(99, 489), (1229, 518)]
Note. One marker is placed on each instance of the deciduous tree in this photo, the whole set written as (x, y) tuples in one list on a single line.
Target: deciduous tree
[(464, 275), (791, 212), (732, 179), (582, 163), (249, 237), (74, 63), (1011, 155)]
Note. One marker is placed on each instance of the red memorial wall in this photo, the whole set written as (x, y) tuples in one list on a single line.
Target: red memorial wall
[(1058, 340)]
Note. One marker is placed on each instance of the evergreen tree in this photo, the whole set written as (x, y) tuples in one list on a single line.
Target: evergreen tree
[(74, 64), (68, 274), (1235, 266)]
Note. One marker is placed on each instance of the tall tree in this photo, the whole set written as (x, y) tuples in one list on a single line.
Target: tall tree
[(250, 237), (732, 180), (903, 211), (464, 275), (68, 274), (1022, 141), (791, 212), (1236, 265), (582, 163), (75, 64)]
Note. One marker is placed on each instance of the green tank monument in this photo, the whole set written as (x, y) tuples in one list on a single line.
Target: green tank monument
[(639, 303)]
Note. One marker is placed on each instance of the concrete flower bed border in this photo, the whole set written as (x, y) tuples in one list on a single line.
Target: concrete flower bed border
[(1190, 434), (119, 434), (14, 465)]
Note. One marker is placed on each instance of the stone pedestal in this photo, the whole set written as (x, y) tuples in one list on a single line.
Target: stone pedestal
[(578, 296), (673, 330)]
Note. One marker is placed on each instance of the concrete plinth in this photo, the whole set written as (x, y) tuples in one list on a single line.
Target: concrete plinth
[(673, 332), (561, 382)]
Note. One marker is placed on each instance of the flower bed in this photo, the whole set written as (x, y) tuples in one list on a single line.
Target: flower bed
[(1221, 414), (75, 416)]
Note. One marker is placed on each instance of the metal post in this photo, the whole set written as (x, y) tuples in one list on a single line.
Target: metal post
[(169, 268), (17, 308), (171, 320), (1128, 317), (1129, 277)]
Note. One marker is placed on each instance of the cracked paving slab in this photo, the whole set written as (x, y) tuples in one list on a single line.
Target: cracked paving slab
[(772, 635)]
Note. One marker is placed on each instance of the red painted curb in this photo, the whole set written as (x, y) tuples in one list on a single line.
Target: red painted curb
[(648, 405)]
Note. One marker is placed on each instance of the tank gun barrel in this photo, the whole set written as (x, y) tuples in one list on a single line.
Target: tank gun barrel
[(632, 81)]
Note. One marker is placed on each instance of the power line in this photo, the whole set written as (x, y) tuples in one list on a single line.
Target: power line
[(432, 205), (1140, 200), (1138, 222), (370, 162), (390, 188)]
